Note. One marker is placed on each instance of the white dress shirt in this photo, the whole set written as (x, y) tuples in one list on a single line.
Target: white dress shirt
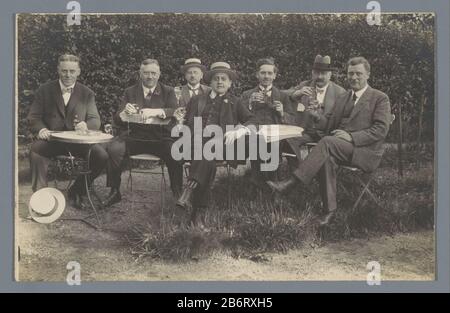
[(268, 88), (359, 93), (191, 92), (147, 90), (320, 92), (66, 95)]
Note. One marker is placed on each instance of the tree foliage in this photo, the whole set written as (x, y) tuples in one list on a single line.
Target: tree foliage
[(400, 50)]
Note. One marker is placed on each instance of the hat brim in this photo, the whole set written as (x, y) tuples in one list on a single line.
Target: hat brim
[(232, 74), (60, 205), (324, 68), (184, 68)]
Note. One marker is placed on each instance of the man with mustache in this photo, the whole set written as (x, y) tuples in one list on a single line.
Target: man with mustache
[(315, 96), (64, 104), (153, 100), (355, 132), (193, 70)]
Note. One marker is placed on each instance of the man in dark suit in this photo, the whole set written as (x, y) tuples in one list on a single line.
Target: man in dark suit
[(59, 105), (318, 94), (270, 106), (356, 131), (193, 70), (153, 100), (221, 108)]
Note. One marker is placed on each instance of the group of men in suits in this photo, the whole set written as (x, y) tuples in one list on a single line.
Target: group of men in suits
[(348, 126)]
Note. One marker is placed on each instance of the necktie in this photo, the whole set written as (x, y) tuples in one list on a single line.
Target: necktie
[(194, 91), (319, 91), (354, 98), (149, 95), (67, 90)]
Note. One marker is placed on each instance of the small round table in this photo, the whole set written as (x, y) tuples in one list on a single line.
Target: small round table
[(89, 138)]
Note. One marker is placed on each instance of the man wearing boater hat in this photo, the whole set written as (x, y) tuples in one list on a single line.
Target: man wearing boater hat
[(218, 107), (193, 70), (315, 97)]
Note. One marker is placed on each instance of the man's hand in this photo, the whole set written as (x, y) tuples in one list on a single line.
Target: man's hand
[(304, 91), (130, 109), (179, 114), (81, 126), (342, 134), (44, 134), (231, 136), (147, 113), (278, 106), (315, 115)]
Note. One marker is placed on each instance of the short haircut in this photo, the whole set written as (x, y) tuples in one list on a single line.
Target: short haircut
[(68, 58), (149, 61), (266, 61), (359, 60)]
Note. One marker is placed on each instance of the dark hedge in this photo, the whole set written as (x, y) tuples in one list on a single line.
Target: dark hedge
[(400, 50)]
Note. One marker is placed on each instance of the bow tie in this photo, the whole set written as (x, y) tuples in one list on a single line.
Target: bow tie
[(67, 90)]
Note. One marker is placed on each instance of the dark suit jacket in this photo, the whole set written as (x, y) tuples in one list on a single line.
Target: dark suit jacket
[(304, 119), (163, 98), (231, 112), (48, 109), (185, 96), (272, 116), (368, 125)]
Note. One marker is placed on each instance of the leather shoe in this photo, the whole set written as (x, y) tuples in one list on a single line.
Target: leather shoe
[(113, 198), (282, 186), (185, 200), (325, 220), (75, 197)]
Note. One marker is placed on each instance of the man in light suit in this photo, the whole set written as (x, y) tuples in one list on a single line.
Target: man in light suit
[(356, 130), (193, 70), (59, 105), (319, 91), (153, 100)]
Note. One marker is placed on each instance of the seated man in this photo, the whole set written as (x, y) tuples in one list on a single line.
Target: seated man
[(64, 104), (151, 99), (221, 108), (356, 132), (318, 95), (270, 106)]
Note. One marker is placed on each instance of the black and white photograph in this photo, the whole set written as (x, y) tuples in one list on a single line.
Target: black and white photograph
[(225, 147)]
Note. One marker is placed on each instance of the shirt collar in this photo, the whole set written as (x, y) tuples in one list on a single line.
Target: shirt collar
[(214, 94), (268, 88), (324, 88), (190, 87), (64, 87), (360, 92), (147, 90)]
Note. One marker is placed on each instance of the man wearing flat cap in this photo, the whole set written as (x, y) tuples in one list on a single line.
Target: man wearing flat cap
[(193, 70), (217, 107), (316, 95)]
